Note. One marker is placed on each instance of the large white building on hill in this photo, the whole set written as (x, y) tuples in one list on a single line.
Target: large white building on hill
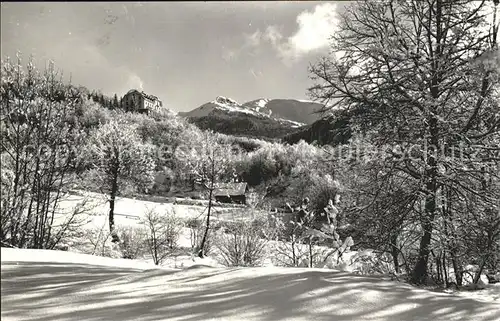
[(139, 101)]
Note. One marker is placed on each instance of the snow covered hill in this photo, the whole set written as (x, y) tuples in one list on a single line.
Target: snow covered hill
[(333, 129), (261, 118), (51, 285), (296, 113)]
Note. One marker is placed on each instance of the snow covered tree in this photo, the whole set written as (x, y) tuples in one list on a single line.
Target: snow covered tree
[(38, 135), (120, 162), (315, 231), (209, 161), (421, 76)]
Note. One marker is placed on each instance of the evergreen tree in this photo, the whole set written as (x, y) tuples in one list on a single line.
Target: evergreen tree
[(115, 104), (102, 101)]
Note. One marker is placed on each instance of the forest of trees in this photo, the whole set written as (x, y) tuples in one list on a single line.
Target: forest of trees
[(417, 178)]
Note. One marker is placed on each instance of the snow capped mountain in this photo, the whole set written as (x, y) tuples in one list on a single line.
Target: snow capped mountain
[(224, 101), (264, 118), (262, 102), (259, 105), (294, 112)]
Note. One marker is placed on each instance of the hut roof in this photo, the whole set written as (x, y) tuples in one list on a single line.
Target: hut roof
[(230, 189)]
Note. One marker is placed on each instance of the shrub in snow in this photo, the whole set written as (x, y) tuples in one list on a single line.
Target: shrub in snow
[(97, 241), (132, 242), (38, 133), (474, 286), (493, 277), (197, 229), (368, 262), (308, 237), (162, 234), (327, 235), (286, 249), (62, 247), (241, 244)]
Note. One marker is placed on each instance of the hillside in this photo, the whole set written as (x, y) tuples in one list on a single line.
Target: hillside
[(296, 110), (331, 130), (239, 124), (260, 118)]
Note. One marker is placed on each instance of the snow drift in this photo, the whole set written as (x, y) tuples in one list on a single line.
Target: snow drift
[(50, 285)]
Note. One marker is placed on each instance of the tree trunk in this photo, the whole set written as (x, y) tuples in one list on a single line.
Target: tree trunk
[(439, 268), (155, 248), (114, 189), (419, 275), (192, 183), (458, 270), (310, 253), (202, 245), (477, 277), (484, 259), (395, 251), (445, 270)]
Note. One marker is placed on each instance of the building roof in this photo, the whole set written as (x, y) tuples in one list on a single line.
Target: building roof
[(151, 97), (230, 189)]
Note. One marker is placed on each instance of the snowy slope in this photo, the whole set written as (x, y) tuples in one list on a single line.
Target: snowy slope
[(259, 105), (224, 104), (298, 110), (73, 287), (287, 111)]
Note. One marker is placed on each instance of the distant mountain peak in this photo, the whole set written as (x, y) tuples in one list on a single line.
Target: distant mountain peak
[(262, 102), (226, 101), (259, 106), (254, 117)]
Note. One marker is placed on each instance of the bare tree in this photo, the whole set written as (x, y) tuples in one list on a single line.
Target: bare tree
[(209, 161), (163, 233), (37, 153), (422, 75)]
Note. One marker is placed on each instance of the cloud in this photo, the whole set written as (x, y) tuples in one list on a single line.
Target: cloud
[(315, 29), (254, 39), (134, 81), (122, 76), (252, 46), (273, 35), (313, 32), (96, 69), (229, 54)]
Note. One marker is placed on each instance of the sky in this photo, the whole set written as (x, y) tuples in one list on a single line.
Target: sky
[(186, 53)]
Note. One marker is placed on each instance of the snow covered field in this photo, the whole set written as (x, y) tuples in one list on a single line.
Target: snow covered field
[(54, 285), (128, 211)]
